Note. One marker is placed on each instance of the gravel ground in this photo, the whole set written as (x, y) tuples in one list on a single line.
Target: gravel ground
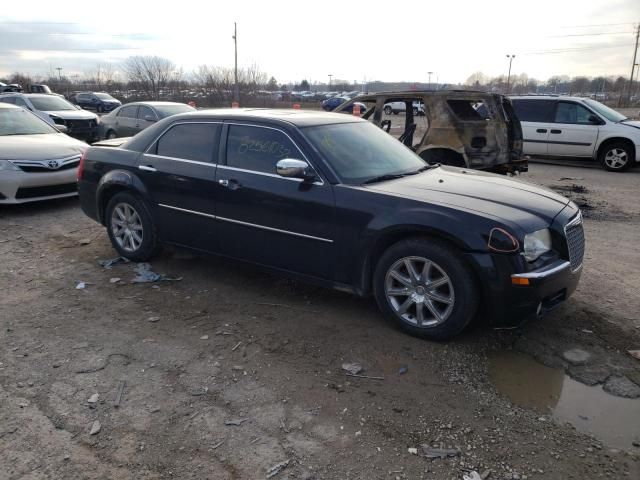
[(231, 344)]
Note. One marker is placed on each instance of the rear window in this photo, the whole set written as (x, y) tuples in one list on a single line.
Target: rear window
[(534, 110), (191, 141), (469, 110)]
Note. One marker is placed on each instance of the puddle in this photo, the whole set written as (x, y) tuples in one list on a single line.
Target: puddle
[(613, 420)]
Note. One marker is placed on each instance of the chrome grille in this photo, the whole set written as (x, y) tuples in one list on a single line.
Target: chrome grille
[(575, 242)]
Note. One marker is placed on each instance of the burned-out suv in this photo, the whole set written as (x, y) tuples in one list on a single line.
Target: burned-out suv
[(460, 128)]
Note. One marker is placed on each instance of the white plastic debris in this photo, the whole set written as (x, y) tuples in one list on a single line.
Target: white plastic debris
[(81, 286), (353, 368), (93, 398), (412, 451)]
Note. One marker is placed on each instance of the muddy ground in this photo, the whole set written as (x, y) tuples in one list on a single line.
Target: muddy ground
[(231, 343)]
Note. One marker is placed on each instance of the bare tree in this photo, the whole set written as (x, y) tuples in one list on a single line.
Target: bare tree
[(150, 73)]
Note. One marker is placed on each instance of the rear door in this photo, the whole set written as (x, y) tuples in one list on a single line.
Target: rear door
[(179, 172), (268, 219), (573, 134), (536, 118), (146, 117), (126, 121)]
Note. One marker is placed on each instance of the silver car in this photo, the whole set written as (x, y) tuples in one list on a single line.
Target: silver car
[(132, 118), (37, 161)]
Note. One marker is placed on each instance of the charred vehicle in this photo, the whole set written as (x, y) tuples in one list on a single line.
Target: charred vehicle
[(455, 127)]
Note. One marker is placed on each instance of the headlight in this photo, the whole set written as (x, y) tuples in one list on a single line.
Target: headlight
[(6, 165), (537, 243), (57, 120)]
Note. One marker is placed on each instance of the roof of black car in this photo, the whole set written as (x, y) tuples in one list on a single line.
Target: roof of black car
[(299, 118)]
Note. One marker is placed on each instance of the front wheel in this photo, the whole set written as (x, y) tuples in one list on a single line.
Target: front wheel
[(99, 109), (616, 157), (425, 289), (387, 110), (111, 135), (130, 227)]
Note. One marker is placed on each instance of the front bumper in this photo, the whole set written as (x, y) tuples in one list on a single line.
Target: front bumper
[(511, 299), (23, 187)]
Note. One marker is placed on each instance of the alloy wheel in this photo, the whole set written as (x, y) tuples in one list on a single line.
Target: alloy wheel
[(419, 291), (616, 158), (126, 227)]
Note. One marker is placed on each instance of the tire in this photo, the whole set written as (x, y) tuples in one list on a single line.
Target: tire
[(387, 110), (138, 248), (99, 109), (111, 135), (616, 157), (453, 280), (415, 111)]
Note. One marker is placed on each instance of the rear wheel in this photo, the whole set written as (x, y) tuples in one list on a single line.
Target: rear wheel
[(130, 227), (99, 109), (387, 110), (111, 135), (425, 289), (616, 157)]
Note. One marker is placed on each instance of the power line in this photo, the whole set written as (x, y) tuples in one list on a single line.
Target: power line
[(576, 49), (590, 34), (596, 25)]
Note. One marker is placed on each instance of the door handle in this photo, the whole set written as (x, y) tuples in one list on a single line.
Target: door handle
[(230, 184), (556, 131), (147, 168), (541, 130)]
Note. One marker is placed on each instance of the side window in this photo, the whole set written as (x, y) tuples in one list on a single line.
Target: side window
[(11, 100), (470, 110), (21, 103), (144, 111), (257, 148), (81, 96), (128, 111), (568, 112), (534, 110), (191, 141)]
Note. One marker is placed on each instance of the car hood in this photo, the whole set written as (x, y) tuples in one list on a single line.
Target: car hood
[(631, 123), (39, 147), (490, 194), (72, 114)]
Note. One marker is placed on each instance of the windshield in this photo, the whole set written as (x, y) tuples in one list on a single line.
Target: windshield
[(168, 110), (52, 103), (104, 96), (16, 121), (361, 151), (608, 113)]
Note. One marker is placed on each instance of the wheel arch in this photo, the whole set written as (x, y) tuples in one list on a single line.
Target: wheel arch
[(608, 141), (114, 182), (390, 238)]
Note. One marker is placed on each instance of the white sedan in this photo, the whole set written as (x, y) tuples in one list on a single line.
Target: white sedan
[(37, 161), (397, 107)]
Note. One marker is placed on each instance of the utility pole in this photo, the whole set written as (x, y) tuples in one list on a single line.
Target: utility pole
[(429, 73), (330, 75), (633, 64), (236, 88), (510, 57), (59, 74)]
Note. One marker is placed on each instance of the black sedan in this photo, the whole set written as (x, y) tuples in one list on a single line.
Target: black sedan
[(333, 199), (132, 118)]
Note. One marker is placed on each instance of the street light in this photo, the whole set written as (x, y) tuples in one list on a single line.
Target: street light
[(510, 57), (429, 73), (330, 75)]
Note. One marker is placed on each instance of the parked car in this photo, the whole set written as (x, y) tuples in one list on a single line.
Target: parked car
[(397, 107), (470, 129), (335, 200), (98, 101), (12, 87), (578, 127), (56, 110), (37, 162), (132, 118), (332, 104)]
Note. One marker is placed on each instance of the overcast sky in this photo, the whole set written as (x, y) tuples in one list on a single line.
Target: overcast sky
[(354, 40)]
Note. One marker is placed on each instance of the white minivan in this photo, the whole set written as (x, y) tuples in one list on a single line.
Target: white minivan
[(563, 126)]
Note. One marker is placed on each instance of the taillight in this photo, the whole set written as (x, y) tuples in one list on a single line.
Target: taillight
[(81, 166)]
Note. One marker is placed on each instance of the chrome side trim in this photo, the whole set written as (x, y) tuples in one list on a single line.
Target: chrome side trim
[(271, 229), (273, 175), (247, 224), (187, 211), (545, 272), (195, 162)]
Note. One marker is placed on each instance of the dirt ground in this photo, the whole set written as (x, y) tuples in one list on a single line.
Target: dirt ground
[(229, 343)]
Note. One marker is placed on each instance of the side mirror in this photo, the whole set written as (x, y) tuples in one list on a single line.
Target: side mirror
[(149, 118), (293, 168), (62, 128), (594, 120)]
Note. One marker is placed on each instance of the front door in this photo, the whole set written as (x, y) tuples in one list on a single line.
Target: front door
[(574, 132), (146, 118), (268, 219), (178, 171), (126, 121)]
